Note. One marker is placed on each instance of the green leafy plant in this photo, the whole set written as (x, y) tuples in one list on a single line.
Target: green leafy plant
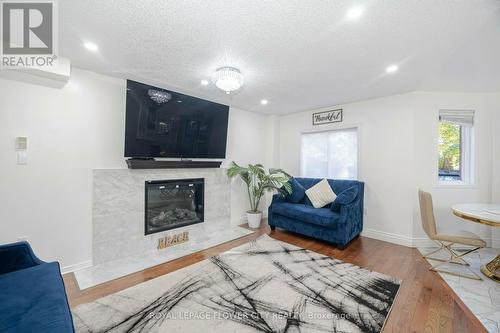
[(259, 181), (449, 147)]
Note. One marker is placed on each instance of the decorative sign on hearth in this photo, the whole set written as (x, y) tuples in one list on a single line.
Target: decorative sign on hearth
[(327, 117), (171, 240)]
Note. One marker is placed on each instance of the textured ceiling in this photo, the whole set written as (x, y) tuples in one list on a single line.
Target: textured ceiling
[(299, 55)]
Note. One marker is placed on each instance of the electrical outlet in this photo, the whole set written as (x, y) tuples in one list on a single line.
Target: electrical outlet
[(21, 157), (365, 210)]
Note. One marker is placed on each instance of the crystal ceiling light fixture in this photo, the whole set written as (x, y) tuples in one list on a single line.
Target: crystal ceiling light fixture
[(228, 79), (159, 96)]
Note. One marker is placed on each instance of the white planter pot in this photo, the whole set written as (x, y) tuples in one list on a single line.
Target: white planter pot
[(254, 219)]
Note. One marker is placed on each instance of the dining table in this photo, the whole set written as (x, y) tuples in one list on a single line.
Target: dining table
[(486, 214)]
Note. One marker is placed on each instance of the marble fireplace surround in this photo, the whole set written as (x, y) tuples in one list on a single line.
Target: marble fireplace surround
[(120, 246)]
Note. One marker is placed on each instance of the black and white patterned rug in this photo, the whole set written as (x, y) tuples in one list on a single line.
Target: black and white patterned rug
[(261, 286)]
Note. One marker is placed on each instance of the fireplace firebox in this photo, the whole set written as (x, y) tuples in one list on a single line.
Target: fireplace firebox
[(173, 204)]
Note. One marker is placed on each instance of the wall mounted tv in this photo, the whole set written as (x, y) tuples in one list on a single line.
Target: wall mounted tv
[(164, 123)]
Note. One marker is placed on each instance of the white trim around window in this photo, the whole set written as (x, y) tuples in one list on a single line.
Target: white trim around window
[(468, 150)]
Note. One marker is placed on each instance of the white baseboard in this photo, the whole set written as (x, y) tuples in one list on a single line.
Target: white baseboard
[(414, 242), (76, 267), (387, 237)]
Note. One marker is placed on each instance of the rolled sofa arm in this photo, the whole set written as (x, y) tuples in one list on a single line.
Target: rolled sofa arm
[(16, 256), (277, 198), (351, 220)]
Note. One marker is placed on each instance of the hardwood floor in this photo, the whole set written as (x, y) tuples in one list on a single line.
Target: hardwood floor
[(424, 303)]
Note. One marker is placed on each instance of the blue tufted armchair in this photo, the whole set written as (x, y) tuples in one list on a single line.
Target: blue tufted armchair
[(338, 226)]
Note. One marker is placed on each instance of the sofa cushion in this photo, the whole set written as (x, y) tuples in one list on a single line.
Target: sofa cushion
[(298, 191), (34, 300), (344, 198), (319, 216), (321, 194)]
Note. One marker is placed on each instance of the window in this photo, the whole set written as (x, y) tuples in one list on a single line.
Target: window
[(455, 147), (332, 154)]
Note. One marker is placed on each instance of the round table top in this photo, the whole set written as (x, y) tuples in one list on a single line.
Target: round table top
[(480, 213)]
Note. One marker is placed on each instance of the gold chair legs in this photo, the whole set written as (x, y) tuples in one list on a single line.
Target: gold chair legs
[(455, 258), (492, 269)]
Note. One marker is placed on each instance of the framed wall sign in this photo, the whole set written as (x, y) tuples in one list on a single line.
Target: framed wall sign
[(326, 117)]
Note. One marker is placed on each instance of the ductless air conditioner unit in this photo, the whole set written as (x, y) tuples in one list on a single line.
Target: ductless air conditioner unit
[(56, 76)]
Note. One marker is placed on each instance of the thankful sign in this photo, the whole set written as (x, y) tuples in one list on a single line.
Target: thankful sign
[(326, 117)]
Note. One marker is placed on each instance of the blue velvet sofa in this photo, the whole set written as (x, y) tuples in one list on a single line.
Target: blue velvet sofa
[(336, 223), (32, 294)]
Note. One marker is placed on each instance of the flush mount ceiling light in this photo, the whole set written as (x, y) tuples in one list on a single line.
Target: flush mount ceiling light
[(355, 13), (204, 82), (228, 79), (264, 102), (392, 69), (159, 96), (91, 46)]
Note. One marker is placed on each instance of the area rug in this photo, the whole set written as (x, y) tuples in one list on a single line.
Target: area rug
[(261, 286)]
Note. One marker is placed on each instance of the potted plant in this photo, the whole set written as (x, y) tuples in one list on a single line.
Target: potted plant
[(258, 182)]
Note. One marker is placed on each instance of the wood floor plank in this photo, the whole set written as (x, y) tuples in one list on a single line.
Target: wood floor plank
[(425, 303)]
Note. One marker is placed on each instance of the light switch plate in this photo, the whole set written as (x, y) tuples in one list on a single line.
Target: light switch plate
[(21, 143)]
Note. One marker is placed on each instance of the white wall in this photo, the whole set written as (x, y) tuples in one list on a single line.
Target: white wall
[(495, 181), (385, 141), (427, 107), (495, 152), (248, 136), (70, 132), (398, 155)]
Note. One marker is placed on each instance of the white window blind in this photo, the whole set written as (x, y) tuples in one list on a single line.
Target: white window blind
[(332, 154), (457, 117)]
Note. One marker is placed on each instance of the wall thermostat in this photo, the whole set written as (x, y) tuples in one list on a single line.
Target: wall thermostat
[(21, 143)]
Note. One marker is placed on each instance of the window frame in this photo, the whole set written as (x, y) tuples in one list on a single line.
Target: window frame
[(333, 128), (468, 156)]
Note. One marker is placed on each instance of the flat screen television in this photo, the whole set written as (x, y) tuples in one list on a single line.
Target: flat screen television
[(165, 123)]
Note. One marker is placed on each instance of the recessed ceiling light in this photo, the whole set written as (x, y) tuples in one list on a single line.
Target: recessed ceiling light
[(204, 82), (264, 102), (91, 46), (392, 69), (355, 13)]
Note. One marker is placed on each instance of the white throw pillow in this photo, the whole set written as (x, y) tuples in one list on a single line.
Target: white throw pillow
[(321, 194)]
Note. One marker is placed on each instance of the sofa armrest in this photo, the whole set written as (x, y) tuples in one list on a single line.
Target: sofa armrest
[(277, 198), (16, 256), (351, 220)]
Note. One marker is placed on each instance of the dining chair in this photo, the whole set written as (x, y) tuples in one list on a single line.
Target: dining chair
[(446, 241)]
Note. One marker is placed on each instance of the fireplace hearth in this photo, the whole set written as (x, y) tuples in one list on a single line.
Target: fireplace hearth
[(173, 204)]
